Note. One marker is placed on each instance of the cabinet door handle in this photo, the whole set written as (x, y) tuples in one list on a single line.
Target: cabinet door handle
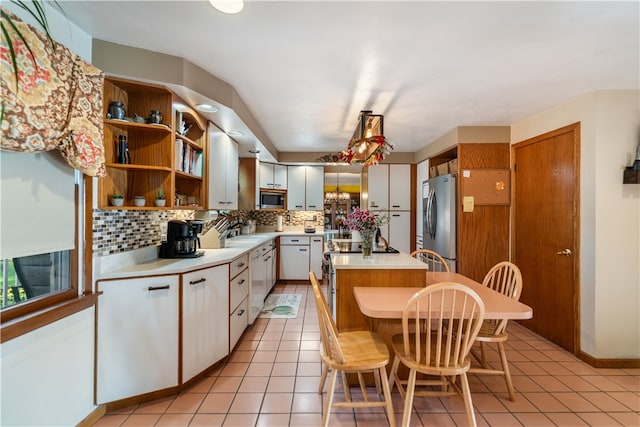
[(317, 240), (302, 250), (395, 206), (195, 282), (158, 288), (241, 312), (395, 215), (241, 282), (312, 206), (295, 240), (298, 206), (267, 259), (241, 265)]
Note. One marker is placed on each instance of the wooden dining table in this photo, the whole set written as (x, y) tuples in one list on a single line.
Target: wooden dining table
[(389, 302)]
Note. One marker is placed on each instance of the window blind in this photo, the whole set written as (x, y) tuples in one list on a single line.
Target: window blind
[(37, 204)]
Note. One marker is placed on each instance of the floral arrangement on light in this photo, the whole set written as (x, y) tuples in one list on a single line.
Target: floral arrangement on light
[(359, 150)]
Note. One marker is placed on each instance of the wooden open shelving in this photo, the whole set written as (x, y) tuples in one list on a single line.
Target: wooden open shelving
[(152, 149)]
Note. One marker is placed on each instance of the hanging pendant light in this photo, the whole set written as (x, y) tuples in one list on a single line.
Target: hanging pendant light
[(367, 146)]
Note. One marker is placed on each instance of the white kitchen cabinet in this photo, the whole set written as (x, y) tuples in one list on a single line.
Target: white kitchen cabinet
[(137, 333), (205, 319), (389, 188), (294, 258), (268, 271), (314, 188), (238, 321), (316, 255), (378, 187), (238, 289), (257, 290), (273, 176), (400, 231), (238, 298), (305, 188), (223, 170), (296, 188), (274, 264), (399, 187)]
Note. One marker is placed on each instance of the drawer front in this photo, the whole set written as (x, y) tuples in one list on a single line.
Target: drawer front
[(294, 240), (238, 264), (238, 322), (238, 289)]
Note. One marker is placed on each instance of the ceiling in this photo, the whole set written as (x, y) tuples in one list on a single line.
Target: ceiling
[(305, 69)]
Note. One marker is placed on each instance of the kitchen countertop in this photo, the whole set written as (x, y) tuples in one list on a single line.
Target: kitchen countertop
[(145, 262), (376, 261)]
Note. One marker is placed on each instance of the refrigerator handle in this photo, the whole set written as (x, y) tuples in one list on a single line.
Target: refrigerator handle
[(434, 212), (427, 214)]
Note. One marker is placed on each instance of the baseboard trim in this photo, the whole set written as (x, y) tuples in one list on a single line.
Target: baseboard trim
[(93, 417), (609, 363)]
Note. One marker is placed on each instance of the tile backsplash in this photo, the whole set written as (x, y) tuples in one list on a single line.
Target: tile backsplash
[(117, 231)]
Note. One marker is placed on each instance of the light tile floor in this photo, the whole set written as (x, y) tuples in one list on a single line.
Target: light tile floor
[(271, 377)]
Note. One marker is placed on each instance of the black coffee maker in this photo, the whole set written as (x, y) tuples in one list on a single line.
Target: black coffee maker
[(182, 240)]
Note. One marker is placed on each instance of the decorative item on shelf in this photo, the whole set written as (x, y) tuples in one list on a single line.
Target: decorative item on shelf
[(124, 156), (139, 201), (116, 110), (160, 200), (366, 224), (368, 145), (117, 199), (632, 173), (184, 128), (155, 117)]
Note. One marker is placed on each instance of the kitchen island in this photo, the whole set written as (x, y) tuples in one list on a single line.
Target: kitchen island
[(381, 269)]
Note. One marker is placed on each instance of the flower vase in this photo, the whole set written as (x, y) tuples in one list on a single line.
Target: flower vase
[(366, 242)]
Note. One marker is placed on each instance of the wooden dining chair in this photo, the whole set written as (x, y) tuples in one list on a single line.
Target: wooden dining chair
[(434, 260), (436, 349), (351, 352), (504, 277)]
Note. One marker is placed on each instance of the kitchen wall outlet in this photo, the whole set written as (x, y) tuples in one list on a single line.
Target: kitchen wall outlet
[(288, 217)]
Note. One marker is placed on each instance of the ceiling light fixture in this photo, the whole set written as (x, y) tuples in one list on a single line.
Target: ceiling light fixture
[(367, 146), (206, 108), (228, 6), (235, 133)]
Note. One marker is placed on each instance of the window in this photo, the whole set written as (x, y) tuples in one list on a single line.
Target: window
[(36, 276)]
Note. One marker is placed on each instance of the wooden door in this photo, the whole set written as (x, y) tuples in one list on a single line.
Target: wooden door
[(546, 219)]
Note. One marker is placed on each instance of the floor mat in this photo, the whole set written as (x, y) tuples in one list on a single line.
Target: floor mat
[(281, 306)]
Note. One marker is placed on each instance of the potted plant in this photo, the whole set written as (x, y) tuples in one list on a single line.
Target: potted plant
[(160, 200), (139, 201), (117, 199)]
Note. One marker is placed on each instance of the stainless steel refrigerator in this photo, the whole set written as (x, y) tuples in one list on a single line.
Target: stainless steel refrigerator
[(439, 217)]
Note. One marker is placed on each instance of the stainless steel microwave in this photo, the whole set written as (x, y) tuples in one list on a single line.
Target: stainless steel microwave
[(271, 199)]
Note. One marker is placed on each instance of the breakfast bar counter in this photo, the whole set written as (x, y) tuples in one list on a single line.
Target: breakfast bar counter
[(351, 270)]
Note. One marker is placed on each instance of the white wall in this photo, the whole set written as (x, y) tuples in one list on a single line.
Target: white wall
[(47, 375), (609, 216)]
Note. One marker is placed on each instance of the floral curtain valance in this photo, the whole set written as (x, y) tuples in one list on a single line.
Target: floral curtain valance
[(57, 102)]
